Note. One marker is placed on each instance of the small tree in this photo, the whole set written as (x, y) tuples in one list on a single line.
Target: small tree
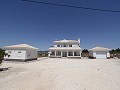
[(85, 53), (112, 51), (2, 54), (118, 50)]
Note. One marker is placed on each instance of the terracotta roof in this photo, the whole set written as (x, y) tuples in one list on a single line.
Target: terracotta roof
[(20, 46), (100, 49)]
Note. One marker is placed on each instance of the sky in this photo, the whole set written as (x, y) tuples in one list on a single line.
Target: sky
[(39, 24)]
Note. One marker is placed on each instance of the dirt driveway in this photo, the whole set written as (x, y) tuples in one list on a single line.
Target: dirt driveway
[(61, 74)]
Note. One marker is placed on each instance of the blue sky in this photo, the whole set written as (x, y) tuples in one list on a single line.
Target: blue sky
[(39, 25)]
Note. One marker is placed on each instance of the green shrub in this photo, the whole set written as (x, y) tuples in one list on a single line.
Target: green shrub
[(2, 54)]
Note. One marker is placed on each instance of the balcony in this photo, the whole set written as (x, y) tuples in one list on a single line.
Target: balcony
[(62, 46)]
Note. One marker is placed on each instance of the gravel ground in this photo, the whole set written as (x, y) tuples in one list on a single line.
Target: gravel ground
[(61, 74)]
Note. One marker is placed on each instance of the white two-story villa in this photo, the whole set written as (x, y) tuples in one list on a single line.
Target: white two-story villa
[(65, 48)]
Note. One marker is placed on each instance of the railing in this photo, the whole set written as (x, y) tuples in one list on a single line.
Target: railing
[(64, 47)]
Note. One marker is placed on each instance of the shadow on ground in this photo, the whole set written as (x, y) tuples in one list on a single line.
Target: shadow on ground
[(5, 69)]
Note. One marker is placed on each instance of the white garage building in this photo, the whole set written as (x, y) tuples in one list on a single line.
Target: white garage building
[(21, 52), (99, 53)]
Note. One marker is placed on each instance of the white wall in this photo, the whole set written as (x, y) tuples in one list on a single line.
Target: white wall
[(55, 45), (25, 54), (108, 54), (80, 52), (31, 53), (67, 45), (75, 46), (91, 53), (15, 55), (94, 54)]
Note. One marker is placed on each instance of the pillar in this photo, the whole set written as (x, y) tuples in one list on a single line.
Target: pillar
[(61, 53), (67, 53), (80, 53), (55, 53), (73, 53)]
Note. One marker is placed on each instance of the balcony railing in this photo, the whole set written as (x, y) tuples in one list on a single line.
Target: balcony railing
[(66, 46)]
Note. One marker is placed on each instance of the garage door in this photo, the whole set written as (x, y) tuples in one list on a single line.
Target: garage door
[(101, 55)]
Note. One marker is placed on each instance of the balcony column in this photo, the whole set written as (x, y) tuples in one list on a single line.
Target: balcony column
[(67, 53), (80, 53), (61, 45), (67, 45), (73, 53), (55, 53), (61, 53), (49, 53)]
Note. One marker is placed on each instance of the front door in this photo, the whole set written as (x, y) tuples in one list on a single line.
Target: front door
[(64, 54)]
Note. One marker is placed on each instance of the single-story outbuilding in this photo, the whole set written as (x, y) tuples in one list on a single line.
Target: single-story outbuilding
[(21, 52), (99, 53)]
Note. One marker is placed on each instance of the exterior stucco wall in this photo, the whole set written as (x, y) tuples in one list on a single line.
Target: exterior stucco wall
[(55, 45), (16, 54), (91, 53), (31, 54), (108, 54), (74, 45), (21, 54), (94, 54)]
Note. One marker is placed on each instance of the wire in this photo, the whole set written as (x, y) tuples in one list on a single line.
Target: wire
[(63, 5)]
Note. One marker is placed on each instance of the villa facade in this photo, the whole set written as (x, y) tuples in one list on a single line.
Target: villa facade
[(65, 48)]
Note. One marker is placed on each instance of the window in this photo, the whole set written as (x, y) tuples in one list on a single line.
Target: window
[(58, 53), (19, 54), (77, 53), (58, 45), (70, 53), (9, 51), (70, 45), (19, 51), (9, 54), (64, 45), (52, 53)]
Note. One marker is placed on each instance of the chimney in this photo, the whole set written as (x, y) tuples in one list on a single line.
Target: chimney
[(79, 40)]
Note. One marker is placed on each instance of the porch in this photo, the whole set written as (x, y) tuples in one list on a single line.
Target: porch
[(68, 54)]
